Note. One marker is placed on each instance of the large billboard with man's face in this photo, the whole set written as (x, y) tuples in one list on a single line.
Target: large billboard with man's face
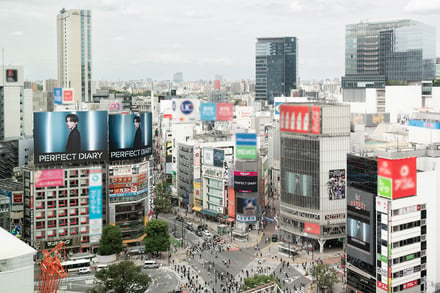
[(70, 136), (130, 136)]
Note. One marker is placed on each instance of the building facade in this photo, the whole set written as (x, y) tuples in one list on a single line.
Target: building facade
[(276, 63), (388, 52), (74, 45), (315, 139)]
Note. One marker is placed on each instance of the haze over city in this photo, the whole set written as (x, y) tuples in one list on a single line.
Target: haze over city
[(143, 39)]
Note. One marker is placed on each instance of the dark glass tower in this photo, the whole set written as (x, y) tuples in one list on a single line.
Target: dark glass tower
[(276, 67), (396, 51)]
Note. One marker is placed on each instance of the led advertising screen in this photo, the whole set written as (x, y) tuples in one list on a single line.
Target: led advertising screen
[(130, 136), (397, 178), (336, 184), (299, 183), (246, 146), (358, 233), (245, 181), (61, 137), (246, 206), (219, 157), (49, 178)]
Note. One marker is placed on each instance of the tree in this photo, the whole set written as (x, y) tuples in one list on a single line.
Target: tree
[(324, 276), (162, 199), (157, 238), (111, 240), (258, 280), (120, 278)]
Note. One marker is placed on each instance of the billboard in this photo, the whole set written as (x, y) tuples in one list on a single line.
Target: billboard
[(208, 156), (57, 95), (217, 84), (49, 178), (219, 157), (316, 119), (231, 202), (246, 146), (358, 233), (95, 204), (61, 137), (300, 184), (208, 111), (397, 178), (336, 184), (245, 181), (68, 96), (312, 228), (225, 111), (130, 136), (249, 206), (197, 190), (128, 180), (300, 118), (185, 110)]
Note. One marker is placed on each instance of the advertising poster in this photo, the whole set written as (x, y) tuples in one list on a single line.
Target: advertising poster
[(57, 95), (246, 146), (185, 110), (61, 137), (397, 178), (336, 184), (299, 183), (358, 233), (312, 228), (208, 111), (68, 96), (130, 136), (225, 111), (245, 181), (49, 178), (95, 204), (249, 206), (231, 202), (295, 118), (219, 157), (208, 156)]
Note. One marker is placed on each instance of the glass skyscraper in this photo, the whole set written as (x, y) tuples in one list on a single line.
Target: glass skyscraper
[(396, 51), (276, 67)]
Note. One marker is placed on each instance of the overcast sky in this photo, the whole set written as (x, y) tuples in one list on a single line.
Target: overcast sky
[(137, 39)]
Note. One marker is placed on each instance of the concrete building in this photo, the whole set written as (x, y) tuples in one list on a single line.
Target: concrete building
[(5, 211), (315, 139), (13, 190), (16, 264), (74, 47)]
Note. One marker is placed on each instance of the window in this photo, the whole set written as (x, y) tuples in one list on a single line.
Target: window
[(51, 223), (39, 224)]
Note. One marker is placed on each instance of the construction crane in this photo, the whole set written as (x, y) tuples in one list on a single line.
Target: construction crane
[(51, 269)]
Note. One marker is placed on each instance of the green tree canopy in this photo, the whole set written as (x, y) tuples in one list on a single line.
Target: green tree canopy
[(324, 276), (157, 238), (123, 277), (111, 240), (258, 280), (162, 198)]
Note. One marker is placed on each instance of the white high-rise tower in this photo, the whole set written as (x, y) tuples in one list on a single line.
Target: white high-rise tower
[(75, 53)]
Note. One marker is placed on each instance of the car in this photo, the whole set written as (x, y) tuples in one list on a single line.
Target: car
[(84, 270), (206, 234), (180, 219), (190, 227), (274, 237), (216, 238), (199, 233), (151, 264), (202, 227)]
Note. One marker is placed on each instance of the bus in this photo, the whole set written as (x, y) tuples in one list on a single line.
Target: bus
[(75, 265)]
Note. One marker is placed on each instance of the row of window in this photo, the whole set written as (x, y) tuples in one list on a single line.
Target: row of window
[(61, 193), (61, 212), (61, 203), (60, 222)]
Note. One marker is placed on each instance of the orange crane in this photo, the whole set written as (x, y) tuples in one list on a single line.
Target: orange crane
[(51, 270)]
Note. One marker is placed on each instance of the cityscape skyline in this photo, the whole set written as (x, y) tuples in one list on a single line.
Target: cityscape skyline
[(197, 38)]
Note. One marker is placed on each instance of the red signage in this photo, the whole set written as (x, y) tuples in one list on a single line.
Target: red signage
[(168, 116), (49, 178), (312, 228), (295, 118), (18, 198), (382, 285), (410, 284), (316, 119), (403, 175), (231, 202), (239, 173), (217, 84), (67, 96), (225, 111)]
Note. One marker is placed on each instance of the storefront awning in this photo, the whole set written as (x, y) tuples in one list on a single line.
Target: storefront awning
[(197, 209), (209, 213)]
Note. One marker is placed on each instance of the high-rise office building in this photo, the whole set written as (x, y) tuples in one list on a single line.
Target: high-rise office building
[(377, 53), (75, 52), (276, 67)]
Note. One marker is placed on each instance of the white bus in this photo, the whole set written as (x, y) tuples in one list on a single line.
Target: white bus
[(75, 265), (101, 266)]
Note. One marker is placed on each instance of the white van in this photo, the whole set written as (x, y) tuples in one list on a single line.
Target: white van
[(151, 264), (84, 270)]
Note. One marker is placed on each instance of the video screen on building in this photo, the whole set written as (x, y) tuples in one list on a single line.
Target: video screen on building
[(70, 136), (247, 206), (358, 234), (245, 181), (130, 136), (299, 184), (336, 184)]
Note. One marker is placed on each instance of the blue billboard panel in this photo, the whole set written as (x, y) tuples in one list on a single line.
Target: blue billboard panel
[(70, 136), (424, 124), (58, 95), (246, 139), (208, 111), (95, 204), (130, 136)]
